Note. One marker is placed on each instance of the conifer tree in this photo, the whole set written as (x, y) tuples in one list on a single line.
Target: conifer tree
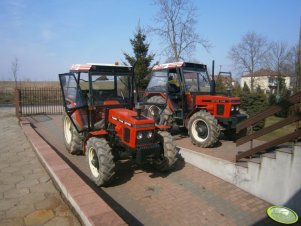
[(141, 56), (220, 86), (236, 89)]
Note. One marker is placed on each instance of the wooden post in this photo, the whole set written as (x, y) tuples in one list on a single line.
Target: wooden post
[(18, 103)]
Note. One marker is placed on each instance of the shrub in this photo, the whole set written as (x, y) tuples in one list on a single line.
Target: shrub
[(254, 103)]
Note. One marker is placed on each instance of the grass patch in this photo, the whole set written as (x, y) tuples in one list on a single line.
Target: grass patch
[(279, 132), (7, 97)]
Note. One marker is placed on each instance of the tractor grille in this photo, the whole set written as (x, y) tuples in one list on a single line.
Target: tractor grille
[(220, 109), (149, 151), (126, 134)]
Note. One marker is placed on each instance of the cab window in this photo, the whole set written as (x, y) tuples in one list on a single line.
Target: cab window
[(158, 81)]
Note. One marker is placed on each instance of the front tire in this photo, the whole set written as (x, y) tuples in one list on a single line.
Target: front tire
[(72, 138), (166, 162), (101, 161), (203, 129)]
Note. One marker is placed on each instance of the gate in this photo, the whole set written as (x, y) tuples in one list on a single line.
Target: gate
[(35, 101)]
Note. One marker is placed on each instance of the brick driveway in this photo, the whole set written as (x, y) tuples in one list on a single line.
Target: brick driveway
[(187, 196)]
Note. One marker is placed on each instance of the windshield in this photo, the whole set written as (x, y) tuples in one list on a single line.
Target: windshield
[(106, 87), (196, 81), (112, 85), (158, 81)]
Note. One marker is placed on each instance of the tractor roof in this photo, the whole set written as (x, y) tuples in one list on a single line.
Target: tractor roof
[(101, 68), (179, 65)]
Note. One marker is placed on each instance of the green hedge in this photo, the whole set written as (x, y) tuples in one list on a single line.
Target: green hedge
[(253, 103)]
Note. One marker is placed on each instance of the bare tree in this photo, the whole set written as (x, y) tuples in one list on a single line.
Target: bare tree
[(249, 55), (279, 57), (176, 21), (14, 70)]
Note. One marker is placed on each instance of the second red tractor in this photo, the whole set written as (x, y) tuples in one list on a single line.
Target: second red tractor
[(183, 93)]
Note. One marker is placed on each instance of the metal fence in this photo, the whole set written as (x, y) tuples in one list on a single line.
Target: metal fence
[(34, 101)]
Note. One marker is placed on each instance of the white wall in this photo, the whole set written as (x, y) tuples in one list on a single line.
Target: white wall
[(262, 81)]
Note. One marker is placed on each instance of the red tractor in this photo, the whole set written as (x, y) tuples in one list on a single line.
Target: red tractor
[(102, 121), (183, 93)]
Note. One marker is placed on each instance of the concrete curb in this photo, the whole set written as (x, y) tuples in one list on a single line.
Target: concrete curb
[(91, 209), (218, 167)]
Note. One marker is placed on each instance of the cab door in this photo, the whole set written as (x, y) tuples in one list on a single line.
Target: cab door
[(75, 103)]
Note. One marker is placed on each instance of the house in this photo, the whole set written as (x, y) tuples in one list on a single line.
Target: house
[(266, 79)]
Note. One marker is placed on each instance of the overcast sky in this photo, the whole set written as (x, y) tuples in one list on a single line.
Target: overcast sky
[(48, 36)]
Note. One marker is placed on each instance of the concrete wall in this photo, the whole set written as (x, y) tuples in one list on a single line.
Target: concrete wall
[(276, 179)]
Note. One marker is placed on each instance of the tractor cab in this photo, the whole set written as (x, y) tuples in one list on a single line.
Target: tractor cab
[(90, 90), (178, 83)]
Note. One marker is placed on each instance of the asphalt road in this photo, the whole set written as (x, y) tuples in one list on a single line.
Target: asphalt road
[(141, 196)]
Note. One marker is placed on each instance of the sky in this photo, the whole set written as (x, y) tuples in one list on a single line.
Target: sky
[(48, 36)]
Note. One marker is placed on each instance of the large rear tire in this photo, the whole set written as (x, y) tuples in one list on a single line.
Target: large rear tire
[(166, 162), (203, 129), (101, 161), (155, 112), (72, 138)]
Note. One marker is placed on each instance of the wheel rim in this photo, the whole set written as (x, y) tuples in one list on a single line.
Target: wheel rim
[(93, 160), (200, 130), (154, 111), (67, 130)]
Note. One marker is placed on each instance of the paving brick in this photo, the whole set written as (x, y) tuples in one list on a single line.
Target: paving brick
[(59, 221), (31, 198), (16, 221), (16, 193), (70, 182), (88, 198), (107, 219), (6, 204), (51, 202), (23, 180), (20, 210), (43, 188), (79, 190), (38, 217), (27, 183), (95, 208)]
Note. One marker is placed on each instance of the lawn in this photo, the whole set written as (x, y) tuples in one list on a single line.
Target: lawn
[(279, 132)]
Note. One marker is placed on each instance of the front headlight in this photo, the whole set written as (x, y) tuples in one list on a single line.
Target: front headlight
[(232, 108), (149, 134), (139, 135)]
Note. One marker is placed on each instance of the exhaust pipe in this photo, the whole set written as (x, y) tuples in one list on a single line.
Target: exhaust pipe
[(212, 82)]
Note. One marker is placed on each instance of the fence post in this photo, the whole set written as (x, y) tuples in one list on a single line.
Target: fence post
[(18, 103)]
